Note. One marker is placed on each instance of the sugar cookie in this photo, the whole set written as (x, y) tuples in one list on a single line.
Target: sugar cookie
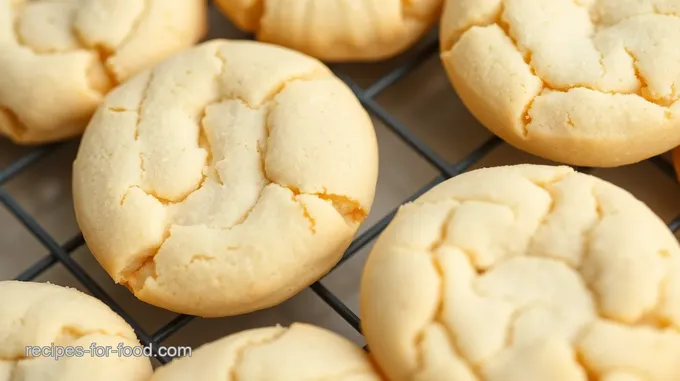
[(59, 58), (342, 30), (226, 179), (588, 83), (39, 321), (300, 353), (524, 273)]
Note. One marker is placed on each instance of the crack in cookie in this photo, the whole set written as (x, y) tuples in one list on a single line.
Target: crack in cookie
[(642, 91), (136, 24), (240, 350), (66, 335), (209, 147), (43, 322), (578, 270), (81, 49), (441, 243), (69, 13), (143, 267), (439, 310), (560, 89), (289, 350)]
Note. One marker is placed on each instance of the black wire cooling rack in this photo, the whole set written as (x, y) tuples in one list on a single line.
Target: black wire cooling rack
[(62, 253)]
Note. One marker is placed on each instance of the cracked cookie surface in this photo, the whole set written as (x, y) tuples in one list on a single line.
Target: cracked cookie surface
[(336, 30), (524, 273), (59, 58), (582, 82), (226, 179), (300, 353), (42, 315)]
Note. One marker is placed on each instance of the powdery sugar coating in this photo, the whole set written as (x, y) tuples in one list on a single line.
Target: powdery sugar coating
[(40, 314), (299, 353), (226, 179), (582, 82), (336, 30), (58, 58), (524, 273)]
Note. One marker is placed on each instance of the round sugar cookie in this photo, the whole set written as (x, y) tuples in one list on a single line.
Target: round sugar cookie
[(58, 58), (300, 353), (339, 30), (524, 273), (49, 333), (589, 83), (226, 179)]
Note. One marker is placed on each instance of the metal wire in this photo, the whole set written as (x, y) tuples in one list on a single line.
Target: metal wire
[(61, 254)]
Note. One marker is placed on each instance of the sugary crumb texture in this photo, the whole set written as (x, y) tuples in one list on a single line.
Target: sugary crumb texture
[(299, 353), (582, 82), (59, 58), (39, 314), (340, 30), (524, 273), (225, 180)]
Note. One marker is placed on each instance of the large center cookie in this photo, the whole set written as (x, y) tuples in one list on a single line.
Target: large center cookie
[(300, 353), (588, 82), (52, 333), (336, 30), (524, 273), (58, 58), (226, 179)]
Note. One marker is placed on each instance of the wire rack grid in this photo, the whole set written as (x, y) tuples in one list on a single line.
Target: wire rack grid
[(61, 253)]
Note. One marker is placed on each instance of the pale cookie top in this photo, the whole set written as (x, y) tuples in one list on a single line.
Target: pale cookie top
[(300, 353), (59, 57), (524, 273), (42, 314), (340, 30), (584, 82), (227, 179)]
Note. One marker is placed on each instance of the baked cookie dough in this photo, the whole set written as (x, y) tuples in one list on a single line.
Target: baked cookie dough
[(225, 180), (58, 58), (588, 82), (524, 273), (300, 353), (41, 316), (338, 30)]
